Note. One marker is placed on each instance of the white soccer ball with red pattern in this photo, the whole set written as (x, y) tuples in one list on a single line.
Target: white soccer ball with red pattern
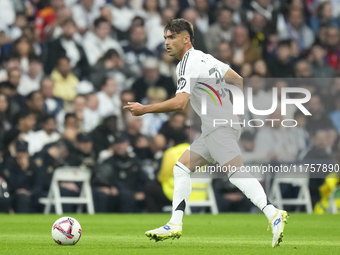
[(66, 231)]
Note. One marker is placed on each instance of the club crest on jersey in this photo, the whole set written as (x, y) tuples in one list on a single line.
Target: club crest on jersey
[(181, 83)]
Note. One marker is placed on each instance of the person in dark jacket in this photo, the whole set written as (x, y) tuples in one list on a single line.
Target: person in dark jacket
[(20, 172), (65, 45), (120, 179)]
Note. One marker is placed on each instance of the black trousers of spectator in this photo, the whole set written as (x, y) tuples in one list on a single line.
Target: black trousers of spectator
[(104, 203), (5, 204), (124, 202), (21, 203), (154, 197)]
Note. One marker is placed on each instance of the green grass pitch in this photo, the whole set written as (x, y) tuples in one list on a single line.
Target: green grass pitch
[(203, 234)]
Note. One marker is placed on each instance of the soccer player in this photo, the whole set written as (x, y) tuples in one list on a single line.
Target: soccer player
[(216, 143)]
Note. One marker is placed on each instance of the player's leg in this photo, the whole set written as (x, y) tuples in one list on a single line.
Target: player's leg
[(182, 187), (182, 191), (228, 154)]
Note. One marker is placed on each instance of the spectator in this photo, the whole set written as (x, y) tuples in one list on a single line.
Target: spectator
[(239, 13), (70, 129), (319, 151), (5, 125), (26, 123), (122, 14), (244, 51), (151, 13), (53, 105), (250, 153), (190, 15), (261, 99), (152, 123), (125, 97), (9, 62), (52, 157), (38, 139), (152, 78), (136, 52), (104, 134), (267, 9), (281, 66), (91, 113), (320, 68), (204, 19), (333, 47), (246, 70), (21, 172), (84, 155), (7, 13), (65, 82), (45, 20), (176, 122), (86, 11), (110, 65), (108, 98), (63, 14), (260, 68), (318, 119), (20, 23), (220, 31), (323, 16), (24, 48), (276, 141), (225, 53), (98, 42), (31, 81), (167, 66), (295, 29), (35, 103), (303, 69), (66, 45), (155, 32), (335, 115)]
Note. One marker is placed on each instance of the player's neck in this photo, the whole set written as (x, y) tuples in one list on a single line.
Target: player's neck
[(185, 49)]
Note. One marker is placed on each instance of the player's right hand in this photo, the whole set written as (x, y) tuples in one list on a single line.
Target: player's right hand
[(136, 109)]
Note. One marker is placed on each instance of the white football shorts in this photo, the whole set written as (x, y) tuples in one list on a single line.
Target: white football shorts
[(220, 145)]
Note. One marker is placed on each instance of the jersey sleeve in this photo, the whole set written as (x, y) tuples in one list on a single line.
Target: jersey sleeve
[(224, 67), (187, 69)]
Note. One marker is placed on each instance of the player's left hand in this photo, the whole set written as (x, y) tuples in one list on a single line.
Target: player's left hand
[(136, 109)]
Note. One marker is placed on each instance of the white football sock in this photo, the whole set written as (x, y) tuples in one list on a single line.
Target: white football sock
[(253, 190), (182, 191)]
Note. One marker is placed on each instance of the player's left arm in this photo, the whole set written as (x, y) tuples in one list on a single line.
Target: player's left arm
[(177, 103)]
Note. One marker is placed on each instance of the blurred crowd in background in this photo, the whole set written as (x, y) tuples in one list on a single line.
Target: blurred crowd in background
[(69, 66)]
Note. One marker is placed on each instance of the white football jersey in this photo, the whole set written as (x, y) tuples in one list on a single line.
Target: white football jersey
[(201, 75)]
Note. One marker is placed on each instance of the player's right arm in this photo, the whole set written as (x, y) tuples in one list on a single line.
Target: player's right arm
[(177, 103)]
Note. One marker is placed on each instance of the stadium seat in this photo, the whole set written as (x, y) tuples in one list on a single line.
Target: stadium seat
[(73, 174), (303, 197), (209, 202)]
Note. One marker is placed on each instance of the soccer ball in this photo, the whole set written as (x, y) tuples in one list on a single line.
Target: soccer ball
[(66, 231)]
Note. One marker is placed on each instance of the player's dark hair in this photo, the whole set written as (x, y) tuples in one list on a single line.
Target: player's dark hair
[(179, 25)]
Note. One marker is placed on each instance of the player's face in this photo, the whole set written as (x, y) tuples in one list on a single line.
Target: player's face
[(174, 43)]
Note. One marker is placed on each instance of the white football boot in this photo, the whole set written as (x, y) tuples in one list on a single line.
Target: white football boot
[(277, 225), (165, 232)]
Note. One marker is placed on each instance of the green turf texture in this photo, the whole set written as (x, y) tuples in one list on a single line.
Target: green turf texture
[(203, 234)]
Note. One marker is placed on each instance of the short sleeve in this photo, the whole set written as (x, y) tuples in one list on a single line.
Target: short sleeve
[(187, 69), (224, 67)]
